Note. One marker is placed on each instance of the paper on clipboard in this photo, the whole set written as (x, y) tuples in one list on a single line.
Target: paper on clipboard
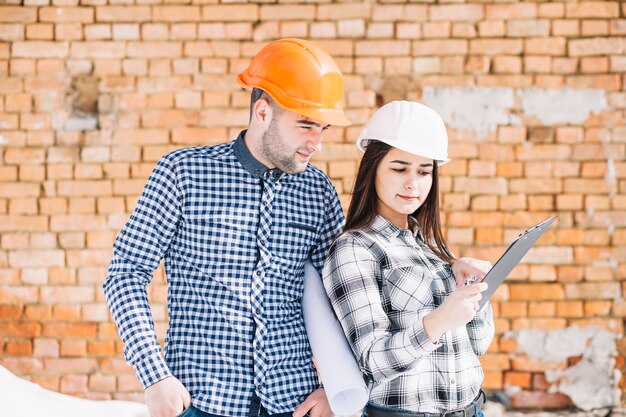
[(511, 257)]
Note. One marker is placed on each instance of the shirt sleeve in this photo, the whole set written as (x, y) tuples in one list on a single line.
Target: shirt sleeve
[(481, 330), (350, 279), (137, 251), (332, 226)]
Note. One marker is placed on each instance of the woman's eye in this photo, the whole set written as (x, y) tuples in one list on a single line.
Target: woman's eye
[(305, 127), (398, 169)]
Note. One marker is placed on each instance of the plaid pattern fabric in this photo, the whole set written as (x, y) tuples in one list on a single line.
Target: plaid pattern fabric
[(382, 281), (234, 237)]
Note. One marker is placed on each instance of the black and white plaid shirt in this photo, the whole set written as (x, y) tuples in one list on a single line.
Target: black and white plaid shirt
[(235, 237), (382, 281)]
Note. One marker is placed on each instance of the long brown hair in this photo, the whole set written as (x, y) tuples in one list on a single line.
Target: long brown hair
[(364, 203)]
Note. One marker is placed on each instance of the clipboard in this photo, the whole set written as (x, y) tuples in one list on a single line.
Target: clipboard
[(511, 257)]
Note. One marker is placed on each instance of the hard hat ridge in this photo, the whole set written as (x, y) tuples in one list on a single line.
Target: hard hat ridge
[(409, 126), (299, 76)]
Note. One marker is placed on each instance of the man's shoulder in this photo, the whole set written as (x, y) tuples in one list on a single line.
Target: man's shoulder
[(204, 152), (313, 173)]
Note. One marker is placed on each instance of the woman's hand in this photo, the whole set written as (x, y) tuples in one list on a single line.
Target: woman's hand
[(464, 268), (456, 311)]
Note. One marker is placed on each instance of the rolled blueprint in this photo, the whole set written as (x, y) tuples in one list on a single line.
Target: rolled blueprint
[(345, 388)]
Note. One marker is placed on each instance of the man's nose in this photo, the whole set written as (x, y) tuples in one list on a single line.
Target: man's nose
[(315, 142)]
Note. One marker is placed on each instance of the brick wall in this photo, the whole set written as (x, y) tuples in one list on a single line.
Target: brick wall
[(92, 93)]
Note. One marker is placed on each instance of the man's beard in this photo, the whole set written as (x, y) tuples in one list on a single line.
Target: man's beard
[(275, 151)]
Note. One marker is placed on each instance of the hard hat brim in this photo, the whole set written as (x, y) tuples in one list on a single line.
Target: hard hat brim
[(362, 143), (334, 117)]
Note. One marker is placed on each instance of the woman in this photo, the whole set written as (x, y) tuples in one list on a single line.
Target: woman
[(390, 277)]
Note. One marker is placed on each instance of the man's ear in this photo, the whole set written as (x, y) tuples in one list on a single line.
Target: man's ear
[(262, 111)]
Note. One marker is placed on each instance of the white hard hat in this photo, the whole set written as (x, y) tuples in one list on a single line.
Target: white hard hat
[(408, 126)]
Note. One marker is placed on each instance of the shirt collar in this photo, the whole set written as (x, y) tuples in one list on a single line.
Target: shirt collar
[(250, 163), (389, 230)]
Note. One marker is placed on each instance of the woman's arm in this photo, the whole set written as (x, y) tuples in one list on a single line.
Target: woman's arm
[(350, 279)]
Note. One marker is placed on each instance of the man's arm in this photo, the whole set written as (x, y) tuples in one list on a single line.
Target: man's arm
[(332, 226), (138, 249)]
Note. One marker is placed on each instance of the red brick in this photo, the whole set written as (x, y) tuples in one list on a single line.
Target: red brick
[(66, 14), (436, 30), (22, 366), (511, 11), (123, 14), (491, 29), (69, 330), (545, 46), (507, 64), (73, 348), (66, 366), (176, 13), (19, 348), (590, 9), (456, 12), (40, 49), (495, 362), (517, 379), (598, 308), (102, 383), (9, 312), (540, 400), (17, 14), (20, 330), (38, 312), (40, 31), (74, 384), (528, 28), (496, 46), (595, 46), (594, 28), (46, 348)]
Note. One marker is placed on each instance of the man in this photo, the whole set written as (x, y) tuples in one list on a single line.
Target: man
[(235, 224)]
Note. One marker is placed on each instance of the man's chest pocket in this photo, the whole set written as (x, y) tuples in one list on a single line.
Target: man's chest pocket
[(293, 241)]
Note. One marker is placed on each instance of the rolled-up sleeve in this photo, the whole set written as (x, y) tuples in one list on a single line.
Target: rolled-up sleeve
[(481, 330), (137, 251)]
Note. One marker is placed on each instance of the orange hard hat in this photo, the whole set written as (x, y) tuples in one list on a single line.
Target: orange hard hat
[(300, 77)]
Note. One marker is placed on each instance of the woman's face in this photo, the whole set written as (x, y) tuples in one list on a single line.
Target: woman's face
[(403, 181)]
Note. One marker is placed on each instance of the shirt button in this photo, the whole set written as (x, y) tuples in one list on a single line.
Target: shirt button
[(453, 381), (258, 346), (258, 273), (450, 353), (257, 172), (259, 387), (258, 311), (263, 241)]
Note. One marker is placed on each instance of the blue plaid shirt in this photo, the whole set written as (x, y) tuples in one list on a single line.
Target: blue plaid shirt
[(234, 236)]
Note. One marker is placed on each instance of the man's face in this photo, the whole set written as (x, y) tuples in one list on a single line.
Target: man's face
[(290, 141)]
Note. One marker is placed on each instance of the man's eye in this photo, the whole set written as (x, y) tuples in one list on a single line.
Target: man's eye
[(305, 127)]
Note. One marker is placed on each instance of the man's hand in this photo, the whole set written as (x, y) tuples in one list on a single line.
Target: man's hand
[(463, 268), (167, 398), (315, 404)]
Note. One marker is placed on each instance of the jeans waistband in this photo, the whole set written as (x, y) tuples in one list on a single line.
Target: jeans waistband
[(467, 411)]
